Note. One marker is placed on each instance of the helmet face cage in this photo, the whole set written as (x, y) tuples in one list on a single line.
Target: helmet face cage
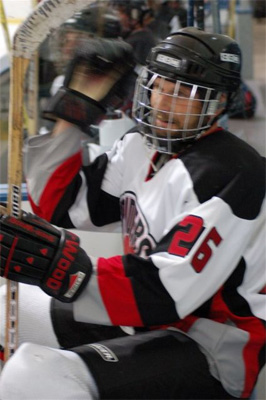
[(188, 110)]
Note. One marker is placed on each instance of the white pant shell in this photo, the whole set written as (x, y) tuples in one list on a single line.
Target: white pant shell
[(39, 372)]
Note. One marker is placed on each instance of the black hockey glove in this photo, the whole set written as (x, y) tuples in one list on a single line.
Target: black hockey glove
[(32, 251), (98, 78)]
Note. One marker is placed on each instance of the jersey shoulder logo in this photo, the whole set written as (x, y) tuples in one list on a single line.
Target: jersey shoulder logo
[(136, 234)]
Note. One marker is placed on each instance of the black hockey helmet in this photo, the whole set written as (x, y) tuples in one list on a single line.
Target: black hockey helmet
[(196, 56), (208, 65), (96, 20)]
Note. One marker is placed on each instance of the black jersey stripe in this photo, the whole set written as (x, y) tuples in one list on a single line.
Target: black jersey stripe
[(223, 165), (155, 305), (104, 208), (233, 299), (60, 216)]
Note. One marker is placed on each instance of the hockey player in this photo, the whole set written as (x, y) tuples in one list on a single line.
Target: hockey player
[(191, 283)]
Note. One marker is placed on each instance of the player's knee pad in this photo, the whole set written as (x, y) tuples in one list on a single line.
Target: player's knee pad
[(34, 316), (39, 372)]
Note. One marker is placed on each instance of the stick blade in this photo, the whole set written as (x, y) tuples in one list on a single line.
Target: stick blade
[(46, 17)]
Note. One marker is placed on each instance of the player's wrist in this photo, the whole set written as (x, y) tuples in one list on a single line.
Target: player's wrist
[(74, 108), (60, 127)]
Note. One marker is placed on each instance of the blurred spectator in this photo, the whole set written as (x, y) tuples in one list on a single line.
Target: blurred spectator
[(165, 12), (159, 28), (179, 19), (171, 15), (140, 37)]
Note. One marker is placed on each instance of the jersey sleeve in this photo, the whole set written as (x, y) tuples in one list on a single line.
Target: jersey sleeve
[(50, 165), (64, 191)]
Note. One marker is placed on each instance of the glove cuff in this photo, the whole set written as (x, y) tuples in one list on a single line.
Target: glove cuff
[(74, 107)]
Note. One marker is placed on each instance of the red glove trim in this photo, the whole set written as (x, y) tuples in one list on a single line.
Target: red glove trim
[(10, 255)]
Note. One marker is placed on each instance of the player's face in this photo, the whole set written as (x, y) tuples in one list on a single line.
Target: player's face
[(71, 41), (175, 107)]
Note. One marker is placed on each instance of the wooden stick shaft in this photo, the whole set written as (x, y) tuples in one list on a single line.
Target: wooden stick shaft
[(12, 319), (15, 138), (33, 90)]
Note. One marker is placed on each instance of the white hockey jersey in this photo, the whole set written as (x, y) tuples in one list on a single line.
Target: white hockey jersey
[(194, 239)]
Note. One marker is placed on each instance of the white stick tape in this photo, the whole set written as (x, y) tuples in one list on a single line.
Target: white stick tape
[(45, 18)]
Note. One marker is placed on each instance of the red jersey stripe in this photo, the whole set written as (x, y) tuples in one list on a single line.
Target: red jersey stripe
[(34, 207), (117, 292), (220, 312), (57, 184)]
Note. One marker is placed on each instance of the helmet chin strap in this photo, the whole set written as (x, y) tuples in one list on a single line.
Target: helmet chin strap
[(177, 146), (221, 111), (213, 121)]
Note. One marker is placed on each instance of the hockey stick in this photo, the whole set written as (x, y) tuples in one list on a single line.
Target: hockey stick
[(45, 18), (33, 90)]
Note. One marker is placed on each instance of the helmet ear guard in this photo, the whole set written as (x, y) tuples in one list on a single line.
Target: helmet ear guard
[(209, 64)]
